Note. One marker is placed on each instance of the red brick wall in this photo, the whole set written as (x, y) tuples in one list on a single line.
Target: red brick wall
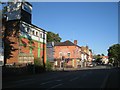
[(12, 28), (66, 49), (25, 49), (35, 49), (74, 53)]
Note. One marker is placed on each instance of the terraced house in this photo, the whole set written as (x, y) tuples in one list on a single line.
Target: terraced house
[(23, 41)]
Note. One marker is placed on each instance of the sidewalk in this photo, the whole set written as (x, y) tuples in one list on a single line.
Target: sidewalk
[(72, 69)]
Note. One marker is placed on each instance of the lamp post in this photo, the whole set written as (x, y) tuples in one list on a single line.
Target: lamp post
[(60, 62), (63, 61)]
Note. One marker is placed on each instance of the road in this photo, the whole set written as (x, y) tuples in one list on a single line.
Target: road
[(97, 77)]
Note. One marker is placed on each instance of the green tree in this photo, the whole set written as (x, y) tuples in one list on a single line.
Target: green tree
[(102, 54), (52, 37), (97, 58), (114, 54)]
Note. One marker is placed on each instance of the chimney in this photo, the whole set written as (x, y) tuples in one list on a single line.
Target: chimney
[(75, 42)]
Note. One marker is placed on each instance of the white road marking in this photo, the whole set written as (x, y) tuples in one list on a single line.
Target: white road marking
[(56, 85), (104, 81), (74, 79), (49, 82), (46, 82)]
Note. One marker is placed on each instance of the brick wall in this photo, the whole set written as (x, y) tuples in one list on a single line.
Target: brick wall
[(74, 53), (20, 44)]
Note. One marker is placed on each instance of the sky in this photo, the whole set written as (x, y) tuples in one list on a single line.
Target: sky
[(90, 23)]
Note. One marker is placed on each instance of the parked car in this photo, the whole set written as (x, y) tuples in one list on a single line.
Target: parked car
[(94, 63), (90, 65)]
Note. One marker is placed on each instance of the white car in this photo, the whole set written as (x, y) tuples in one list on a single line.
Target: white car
[(90, 65)]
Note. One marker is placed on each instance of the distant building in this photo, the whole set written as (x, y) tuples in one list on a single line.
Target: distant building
[(67, 52), (90, 57), (105, 59), (85, 56), (24, 41)]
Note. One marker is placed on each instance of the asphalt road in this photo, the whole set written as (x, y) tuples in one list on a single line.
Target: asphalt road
[(97, 77)]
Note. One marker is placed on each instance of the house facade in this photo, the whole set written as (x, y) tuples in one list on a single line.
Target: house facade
[(67, 54), (23, 41), (84, 56), (90, 58), (105, 59)]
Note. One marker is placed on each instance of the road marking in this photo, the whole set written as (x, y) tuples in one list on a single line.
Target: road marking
[(49, 82), (74, 79), (56, 85), (104, 81), (46, 82)]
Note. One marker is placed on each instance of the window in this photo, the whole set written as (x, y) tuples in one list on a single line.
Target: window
[(36, 33), (68, 54), (40, 35), (60, 54), (28, 30), (32, 32)]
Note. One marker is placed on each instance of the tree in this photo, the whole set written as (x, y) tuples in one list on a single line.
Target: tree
[(52, 37), (97, 58), (114, 54), (102, 54)]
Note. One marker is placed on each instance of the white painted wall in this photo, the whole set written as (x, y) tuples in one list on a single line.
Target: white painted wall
[(24, 27)]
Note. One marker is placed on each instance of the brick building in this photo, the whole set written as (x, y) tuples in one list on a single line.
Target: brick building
[(90, 56), (23, 41), (68, 52)]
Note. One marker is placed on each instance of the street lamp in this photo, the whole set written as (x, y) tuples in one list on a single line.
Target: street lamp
[(63, 60)]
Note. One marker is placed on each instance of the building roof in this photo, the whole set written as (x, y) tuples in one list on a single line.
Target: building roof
[(65, 43)]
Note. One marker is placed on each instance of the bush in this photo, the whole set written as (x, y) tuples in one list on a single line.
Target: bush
[(48, 66), (38, 62), (38, 65)]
